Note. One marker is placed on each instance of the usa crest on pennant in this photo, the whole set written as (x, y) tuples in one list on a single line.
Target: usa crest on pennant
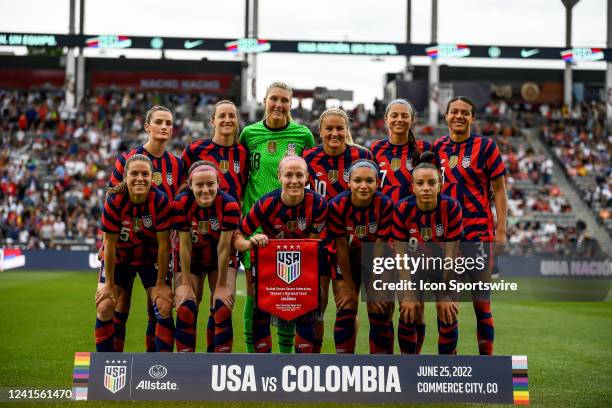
[(288, 266)]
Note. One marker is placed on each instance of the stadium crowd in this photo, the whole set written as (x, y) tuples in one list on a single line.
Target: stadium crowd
[(55, 161), (583, 146)]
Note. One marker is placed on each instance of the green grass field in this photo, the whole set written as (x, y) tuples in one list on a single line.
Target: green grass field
[(47, 316)]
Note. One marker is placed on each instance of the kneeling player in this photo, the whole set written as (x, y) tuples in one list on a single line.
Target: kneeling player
[(427, 217), (291, 212), (328, 166), (206, 218), (136, 223), (362, 214)]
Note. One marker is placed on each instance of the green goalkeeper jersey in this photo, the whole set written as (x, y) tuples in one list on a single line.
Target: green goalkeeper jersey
[(267, 147)]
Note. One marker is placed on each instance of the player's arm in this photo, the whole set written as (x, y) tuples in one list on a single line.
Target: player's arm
[(345, 288), (222, 290), (379, 252), (409, 304), (501, 208), (244, 238), (186, 246), (162, 290), (243, 244), (446, 307), (110, 253)]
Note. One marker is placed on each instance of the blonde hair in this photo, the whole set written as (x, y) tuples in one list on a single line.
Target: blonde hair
[(154, 109), (122, 187), (338, 112), (289, 158), (214, 112), (279, 85)]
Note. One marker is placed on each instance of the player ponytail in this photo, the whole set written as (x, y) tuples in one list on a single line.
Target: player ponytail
[(121, 188), (411, 138), (426, 162)]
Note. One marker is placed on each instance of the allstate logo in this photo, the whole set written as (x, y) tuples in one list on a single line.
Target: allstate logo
[(158, 372)]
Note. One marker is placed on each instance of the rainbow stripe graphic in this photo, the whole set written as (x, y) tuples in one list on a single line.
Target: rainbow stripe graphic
[(80, 376), (520, 380)]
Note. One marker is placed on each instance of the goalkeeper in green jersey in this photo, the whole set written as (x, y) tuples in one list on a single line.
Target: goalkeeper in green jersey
[(268, 142)]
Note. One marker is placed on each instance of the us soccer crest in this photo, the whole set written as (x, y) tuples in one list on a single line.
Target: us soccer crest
[(360, 231), (291, 149), (439, 230), (203, 227), (301, 223), (169, 178), (466, 161), (372, 227), (452, 161), (137, 224), (224, 166), (426, 233), (115, 377), (396, 163), (214, 224), (236, 166), (409, 164), (288, 266), (272, 146), (147, 221), (291, 225), (332, 175), (157, 178)]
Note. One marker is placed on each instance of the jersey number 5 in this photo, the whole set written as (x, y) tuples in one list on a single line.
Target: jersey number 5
[(124, 235)]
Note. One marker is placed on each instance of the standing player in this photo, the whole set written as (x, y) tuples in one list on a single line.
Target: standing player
[(423, 218), (291, 212), (229, 157), (223, 150), (136, 222), (360, 215), (328, 167), (167, 176), (267, 142), (206, 217), (471, 165), (399, 153)]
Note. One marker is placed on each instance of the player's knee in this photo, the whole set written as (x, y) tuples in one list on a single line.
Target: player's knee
[(164, 308), (184, 293), (105, 309)]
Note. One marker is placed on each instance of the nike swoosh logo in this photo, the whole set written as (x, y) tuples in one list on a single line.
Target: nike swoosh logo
[(192, 44), (529, 53)]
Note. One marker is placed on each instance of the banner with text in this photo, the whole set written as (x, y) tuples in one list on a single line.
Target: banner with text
[(301, 378)]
